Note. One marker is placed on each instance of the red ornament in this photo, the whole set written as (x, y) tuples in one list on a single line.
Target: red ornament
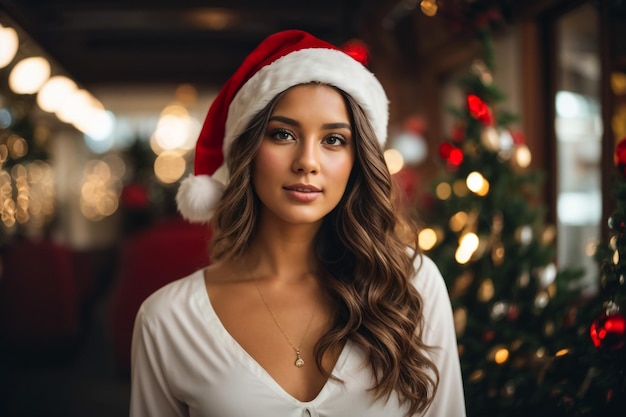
[(513, 313), (414, 124), (456, 157), (488, 335), (619, 156), (518, 137), (458, 133), (135, 196), (609, 331), (445, 149), (358, 50), (479, 110), (451, 154), (570, 318)]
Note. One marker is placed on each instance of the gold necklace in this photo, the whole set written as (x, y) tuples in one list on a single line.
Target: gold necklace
[(299, 361)]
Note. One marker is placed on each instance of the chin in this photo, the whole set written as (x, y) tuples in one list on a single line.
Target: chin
[(301, 217)]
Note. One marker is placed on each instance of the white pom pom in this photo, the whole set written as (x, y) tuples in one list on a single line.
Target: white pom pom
[(197, 198)]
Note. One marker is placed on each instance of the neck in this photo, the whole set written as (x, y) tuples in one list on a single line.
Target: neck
[(284, 253)]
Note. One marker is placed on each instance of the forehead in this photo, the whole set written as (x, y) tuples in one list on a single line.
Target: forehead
[(314, 98)]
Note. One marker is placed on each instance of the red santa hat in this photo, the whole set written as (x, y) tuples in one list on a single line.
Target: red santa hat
[(281, 61)]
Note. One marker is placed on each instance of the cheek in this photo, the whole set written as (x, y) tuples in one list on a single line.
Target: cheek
[(266, 162), (342, 167)]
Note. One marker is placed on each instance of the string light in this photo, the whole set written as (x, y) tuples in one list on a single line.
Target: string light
[(477, 183), (486, 290), (460, 188), (443, 191), (458, 221), (468, 243), (100, 190), (522, 156), (427, 239), (429, 7), (29, 75), (54, 92), (501, 355), (561, 352), (169, 166), (10, 43)]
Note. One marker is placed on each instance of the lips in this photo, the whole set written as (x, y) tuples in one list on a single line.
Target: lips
[(302, 188), (302, 193)]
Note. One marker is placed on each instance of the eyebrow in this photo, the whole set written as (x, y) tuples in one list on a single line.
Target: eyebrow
[(293, 122)]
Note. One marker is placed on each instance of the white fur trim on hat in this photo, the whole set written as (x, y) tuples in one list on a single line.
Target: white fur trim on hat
[(198, 196), (328, 66)]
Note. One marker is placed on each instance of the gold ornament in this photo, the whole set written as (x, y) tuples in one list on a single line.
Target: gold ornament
[(471, 148), (524, 279), (521, 156), (499, 354), (477, 375), (548, 235), (461, 284), (429, 7), (486, 290), (458, 221), (460, 320), (460, 188), (497, 223), (497, 253)]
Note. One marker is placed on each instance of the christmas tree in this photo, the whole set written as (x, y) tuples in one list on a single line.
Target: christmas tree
[(27, 198), (599, 387), (512, 306)]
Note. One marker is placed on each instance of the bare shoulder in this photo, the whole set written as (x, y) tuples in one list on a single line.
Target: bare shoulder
[(221, 273), (215, 273), (227, 289)]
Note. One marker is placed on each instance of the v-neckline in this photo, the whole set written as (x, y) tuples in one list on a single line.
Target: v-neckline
[(251, 362)]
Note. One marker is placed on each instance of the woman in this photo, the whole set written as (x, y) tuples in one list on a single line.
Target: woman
[(314, 304)]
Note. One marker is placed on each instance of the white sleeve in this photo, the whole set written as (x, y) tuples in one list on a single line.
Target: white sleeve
[(150, 391), (439, 332)]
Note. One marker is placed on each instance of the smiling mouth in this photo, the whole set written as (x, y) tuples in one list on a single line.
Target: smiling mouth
[(302, 189), (302, 193)]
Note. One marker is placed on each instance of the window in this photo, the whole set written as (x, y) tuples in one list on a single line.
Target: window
[(578, 129)]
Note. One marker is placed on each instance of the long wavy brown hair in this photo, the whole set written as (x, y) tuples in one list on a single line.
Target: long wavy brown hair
[(365, 264)]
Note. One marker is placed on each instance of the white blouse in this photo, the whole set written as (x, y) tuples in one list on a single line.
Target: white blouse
[(185, 363)]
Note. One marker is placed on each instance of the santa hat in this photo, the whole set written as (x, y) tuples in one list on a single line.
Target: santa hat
[(281, 61)]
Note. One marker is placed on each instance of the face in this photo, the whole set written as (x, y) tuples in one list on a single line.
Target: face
[(305, 157)]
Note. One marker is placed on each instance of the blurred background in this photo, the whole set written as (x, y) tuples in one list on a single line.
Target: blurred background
[(100, 106)]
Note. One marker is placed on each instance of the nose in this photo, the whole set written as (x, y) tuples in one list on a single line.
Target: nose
[(306, 159)]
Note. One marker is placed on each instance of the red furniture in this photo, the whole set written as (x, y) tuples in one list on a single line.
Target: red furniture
[(150, 259), (39, 305)]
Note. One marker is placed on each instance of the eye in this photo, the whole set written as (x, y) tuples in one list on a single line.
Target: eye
[(281, 134), (335, 140)]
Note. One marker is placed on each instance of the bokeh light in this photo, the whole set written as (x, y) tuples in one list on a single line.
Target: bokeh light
[(29, 75), (394, 161), (10, 43), (427, 239)]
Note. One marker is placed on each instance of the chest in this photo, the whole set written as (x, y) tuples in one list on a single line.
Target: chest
[(237, 386), (279, 335)]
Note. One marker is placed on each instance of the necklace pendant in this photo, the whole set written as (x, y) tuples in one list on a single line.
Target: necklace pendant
[(299, 361)]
